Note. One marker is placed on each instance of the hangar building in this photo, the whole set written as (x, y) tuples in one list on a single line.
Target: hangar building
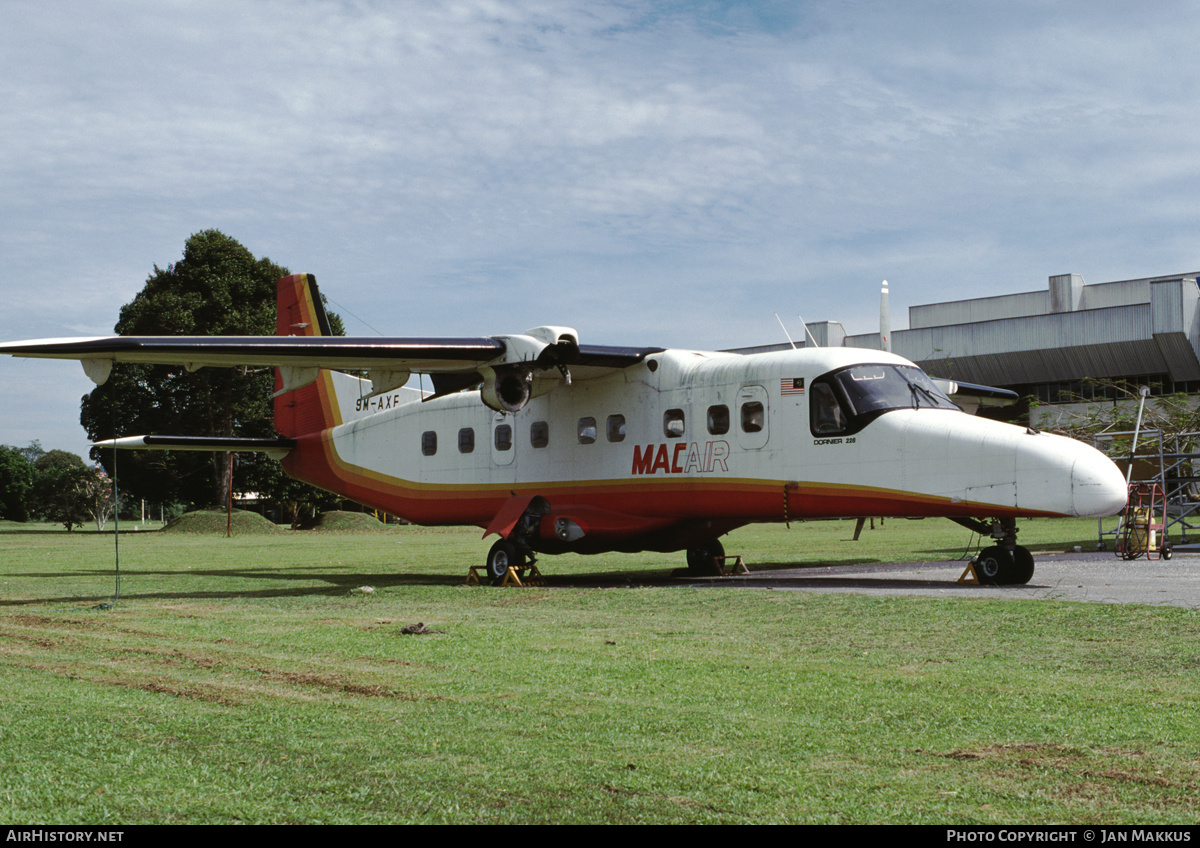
[(1044, 343)]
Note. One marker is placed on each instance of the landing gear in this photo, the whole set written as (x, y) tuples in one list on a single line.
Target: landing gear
[(998, 567), (500, 557), (1005, 563), (704, 561)]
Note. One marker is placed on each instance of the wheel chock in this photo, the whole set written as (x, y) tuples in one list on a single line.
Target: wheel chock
[(739, 566), (517, 575), (973, 579), (523, 575)]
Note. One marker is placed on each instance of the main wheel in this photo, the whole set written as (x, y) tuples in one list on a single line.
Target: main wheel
[(995, 566), (500, 557), (702, 561)]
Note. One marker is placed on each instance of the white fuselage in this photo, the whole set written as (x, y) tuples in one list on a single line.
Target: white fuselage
[(688, 443)]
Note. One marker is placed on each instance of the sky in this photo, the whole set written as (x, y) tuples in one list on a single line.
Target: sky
[(650, 173)]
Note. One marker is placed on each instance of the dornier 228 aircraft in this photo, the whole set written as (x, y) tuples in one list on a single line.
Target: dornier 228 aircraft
[(556, 446)]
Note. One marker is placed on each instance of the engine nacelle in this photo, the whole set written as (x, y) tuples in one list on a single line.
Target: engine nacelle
[(507, 390), (555, 335), (533, 364)]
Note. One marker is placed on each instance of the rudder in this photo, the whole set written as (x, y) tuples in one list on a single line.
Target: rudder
[(299, 312), (299, 308)]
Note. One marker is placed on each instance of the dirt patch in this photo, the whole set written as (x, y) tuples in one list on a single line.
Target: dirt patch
[(335, 683), (1090, 769), (34, 620), (191, 693)]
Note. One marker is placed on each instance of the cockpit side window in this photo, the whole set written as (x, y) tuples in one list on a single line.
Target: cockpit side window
[(827, 414), (846, 400)]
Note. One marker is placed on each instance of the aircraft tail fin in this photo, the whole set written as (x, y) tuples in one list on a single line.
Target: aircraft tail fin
[(304, 401), (300, 311)]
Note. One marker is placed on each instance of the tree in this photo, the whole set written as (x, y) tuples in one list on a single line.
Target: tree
[(100, 495), (32, 452), (57, 460), (72, 495), (1170, 425), (64, 488), (16, 483), (1084, 419), (217, 288)]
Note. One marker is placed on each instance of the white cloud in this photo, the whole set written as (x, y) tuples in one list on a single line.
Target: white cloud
[(458, 167)]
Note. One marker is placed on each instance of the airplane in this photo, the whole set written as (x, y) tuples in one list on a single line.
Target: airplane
[(557, 446)]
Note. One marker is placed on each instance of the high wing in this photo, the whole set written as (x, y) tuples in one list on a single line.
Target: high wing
[(509, 369), (339, 353), (453, 363), (972, 396)]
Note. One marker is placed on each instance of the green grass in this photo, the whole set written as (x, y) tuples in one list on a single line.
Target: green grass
[(214, 521), (251, 680)]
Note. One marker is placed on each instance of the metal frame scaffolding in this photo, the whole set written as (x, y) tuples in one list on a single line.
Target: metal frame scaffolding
[(1174, 462)]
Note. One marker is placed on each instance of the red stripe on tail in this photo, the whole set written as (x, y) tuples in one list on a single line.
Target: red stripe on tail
[(300, 313)]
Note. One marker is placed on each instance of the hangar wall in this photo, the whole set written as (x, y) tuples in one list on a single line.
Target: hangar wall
[(1045, 342)]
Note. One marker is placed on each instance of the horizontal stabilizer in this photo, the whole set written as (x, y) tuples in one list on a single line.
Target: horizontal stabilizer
[(275, 448)]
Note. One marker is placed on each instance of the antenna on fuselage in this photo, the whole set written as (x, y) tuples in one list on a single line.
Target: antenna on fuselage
[(809, 337), (885, 320), (785, 332)]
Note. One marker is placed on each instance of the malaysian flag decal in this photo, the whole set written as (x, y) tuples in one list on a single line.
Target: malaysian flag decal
[(791, 386)]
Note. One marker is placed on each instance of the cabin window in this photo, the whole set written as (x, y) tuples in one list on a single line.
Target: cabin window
[(673, 423), (466, 440), (615, 428), (754, 417), (429, 443), (718, 419), (504, 437), (539, 434), (587, 431)]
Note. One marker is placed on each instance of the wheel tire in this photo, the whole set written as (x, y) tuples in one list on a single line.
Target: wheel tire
[(1166, 552), (702, 561), (994, 567), (500, 557), (1022, 567)]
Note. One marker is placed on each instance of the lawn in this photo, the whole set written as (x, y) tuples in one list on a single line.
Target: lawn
[(265, 678)]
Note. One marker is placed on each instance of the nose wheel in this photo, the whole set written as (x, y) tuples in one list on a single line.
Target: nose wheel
[(996, 566), (1004, 563)]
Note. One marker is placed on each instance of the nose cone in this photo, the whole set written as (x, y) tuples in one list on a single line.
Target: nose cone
[(985, 464), (1097, 486), (1067, 477)]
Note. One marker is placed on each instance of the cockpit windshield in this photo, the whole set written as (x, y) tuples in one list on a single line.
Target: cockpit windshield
[(845, 401)]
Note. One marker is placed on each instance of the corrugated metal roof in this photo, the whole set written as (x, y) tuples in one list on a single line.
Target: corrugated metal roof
[(1181, 358), (1113, 359)]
